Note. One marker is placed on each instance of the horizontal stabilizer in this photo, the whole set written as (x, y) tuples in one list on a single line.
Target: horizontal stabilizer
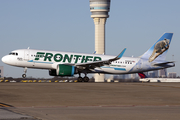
[(163, 63)]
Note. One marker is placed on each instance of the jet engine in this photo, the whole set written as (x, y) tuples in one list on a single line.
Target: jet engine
[(63, 70)]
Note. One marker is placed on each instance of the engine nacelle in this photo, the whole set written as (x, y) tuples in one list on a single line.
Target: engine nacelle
[(65, 70)]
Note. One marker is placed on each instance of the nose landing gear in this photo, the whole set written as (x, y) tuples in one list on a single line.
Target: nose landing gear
[(25, 70)]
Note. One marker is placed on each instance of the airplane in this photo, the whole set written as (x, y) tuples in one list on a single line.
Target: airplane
[(144, 78), (69, 63)]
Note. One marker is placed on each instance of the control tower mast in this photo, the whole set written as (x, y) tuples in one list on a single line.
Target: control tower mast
[(99, 10)]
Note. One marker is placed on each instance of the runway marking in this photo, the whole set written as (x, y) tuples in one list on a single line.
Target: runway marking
[(5, 105)]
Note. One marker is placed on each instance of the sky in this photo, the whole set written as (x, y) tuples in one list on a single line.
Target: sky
[(67, 26)]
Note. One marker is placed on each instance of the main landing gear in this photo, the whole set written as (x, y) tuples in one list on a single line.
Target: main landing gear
[(80, 79), (25, 70)]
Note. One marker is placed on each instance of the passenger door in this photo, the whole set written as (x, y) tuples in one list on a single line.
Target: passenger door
[(26, 55)]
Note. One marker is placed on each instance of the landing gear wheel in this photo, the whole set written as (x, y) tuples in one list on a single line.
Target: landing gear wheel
[(80, 79), (86, 79), (25, 70), (24, 75)]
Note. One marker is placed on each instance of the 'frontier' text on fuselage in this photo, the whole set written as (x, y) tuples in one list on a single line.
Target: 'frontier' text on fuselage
[(66, 57)]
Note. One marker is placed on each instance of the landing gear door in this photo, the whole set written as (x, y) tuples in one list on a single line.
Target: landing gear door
[(26, 55)]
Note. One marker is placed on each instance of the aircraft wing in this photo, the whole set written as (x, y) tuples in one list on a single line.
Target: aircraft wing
[(92, 65)]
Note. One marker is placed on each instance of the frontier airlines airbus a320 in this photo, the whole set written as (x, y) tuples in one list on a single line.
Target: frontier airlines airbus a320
[(68, 64)]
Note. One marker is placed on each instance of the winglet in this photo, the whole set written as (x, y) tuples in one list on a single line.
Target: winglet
[(121, 54), (101, 62)]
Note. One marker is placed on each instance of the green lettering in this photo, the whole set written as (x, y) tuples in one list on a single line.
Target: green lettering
[(66, 57), (39, 55), (48, 56), (97, 58), (77, 57), (58, 57), (87, 58), (83, 58)]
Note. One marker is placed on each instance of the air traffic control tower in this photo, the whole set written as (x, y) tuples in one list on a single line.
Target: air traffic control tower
[(99, 10)]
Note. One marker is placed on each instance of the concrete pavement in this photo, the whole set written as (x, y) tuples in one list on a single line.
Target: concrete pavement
[(78, 101)]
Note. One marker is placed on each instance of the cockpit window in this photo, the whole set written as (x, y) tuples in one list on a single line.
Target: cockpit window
[(13, 53)]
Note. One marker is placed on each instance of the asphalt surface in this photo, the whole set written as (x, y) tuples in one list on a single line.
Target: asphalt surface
[(100, 101), (7, 114)]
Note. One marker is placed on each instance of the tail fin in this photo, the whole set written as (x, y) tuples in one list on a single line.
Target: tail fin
[(142, 75), (159, 50)]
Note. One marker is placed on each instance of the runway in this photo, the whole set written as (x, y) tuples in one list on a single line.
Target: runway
[(102, 101)]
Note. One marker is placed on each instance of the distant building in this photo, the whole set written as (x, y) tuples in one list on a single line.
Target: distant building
[(121, 77), (1, 71), (153, 74), (124, 76), (115, 77), (172, 75), (163, 73), (133, 76)]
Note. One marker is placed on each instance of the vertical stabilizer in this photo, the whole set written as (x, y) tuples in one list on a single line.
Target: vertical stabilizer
[(159, 50), (142, 75)]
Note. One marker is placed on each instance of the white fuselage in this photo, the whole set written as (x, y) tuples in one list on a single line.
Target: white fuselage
[(42, 59)]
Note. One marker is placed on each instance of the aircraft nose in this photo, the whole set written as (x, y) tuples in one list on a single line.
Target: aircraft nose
[(5, 59)]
